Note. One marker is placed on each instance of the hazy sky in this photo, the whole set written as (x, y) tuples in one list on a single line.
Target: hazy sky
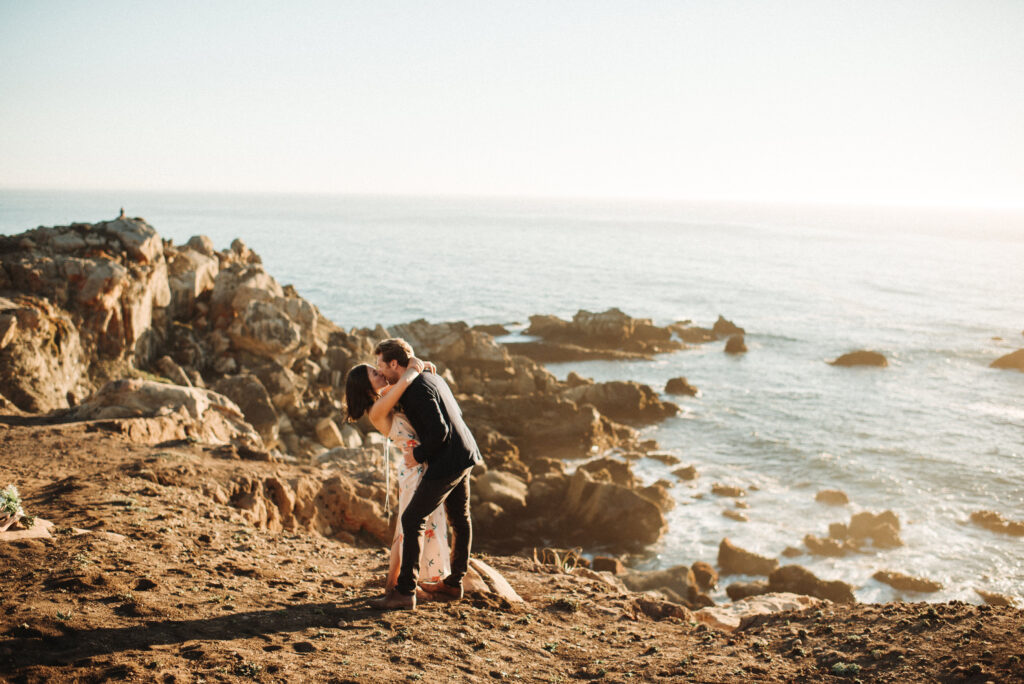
[(919, 101)]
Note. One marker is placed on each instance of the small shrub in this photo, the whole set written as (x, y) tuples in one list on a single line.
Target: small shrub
[(845, 669)]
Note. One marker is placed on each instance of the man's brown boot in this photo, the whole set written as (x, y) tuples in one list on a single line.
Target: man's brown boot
[(442, 591), (395, 600)]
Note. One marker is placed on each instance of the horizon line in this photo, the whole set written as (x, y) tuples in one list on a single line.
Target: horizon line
[(615, 199)]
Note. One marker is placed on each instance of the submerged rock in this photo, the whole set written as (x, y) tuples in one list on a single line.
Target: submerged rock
[(680, 386), (861, 358), (832, 497), (1013, 361), (898, 580), (991, 520)]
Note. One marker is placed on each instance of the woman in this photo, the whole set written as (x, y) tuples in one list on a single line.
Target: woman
[(367, 391)]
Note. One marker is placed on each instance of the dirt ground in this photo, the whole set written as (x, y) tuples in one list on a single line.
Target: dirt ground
[(193, 593)]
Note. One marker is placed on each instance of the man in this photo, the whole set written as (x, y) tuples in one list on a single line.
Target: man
[(446, 445)]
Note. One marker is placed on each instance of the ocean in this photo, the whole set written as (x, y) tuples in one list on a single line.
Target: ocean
[(936, 435)]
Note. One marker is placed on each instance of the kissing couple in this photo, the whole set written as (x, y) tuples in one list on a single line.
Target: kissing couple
[(414, 407)]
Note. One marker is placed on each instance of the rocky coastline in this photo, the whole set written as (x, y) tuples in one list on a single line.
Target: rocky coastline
[(229, 386)]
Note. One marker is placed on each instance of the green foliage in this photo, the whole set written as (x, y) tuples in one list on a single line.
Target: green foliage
[(845, 669)]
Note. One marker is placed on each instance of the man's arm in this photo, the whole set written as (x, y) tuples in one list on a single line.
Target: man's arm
[(423, 409)]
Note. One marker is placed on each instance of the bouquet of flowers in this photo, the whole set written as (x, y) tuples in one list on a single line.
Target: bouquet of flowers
[(10, 508)]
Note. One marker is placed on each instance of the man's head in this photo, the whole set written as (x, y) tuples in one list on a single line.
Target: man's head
[(393, 357)]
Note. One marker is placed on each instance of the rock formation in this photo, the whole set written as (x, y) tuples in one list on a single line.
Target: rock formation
[(1013, 361), (861, 358)]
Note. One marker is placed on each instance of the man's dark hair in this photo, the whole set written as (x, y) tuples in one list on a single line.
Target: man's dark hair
[(394, 349)]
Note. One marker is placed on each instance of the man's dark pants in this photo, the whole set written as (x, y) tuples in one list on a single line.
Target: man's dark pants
[(454, 493)]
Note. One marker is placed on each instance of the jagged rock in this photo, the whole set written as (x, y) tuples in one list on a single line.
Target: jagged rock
[(861, 358), (735, 515), (750, 611), (898, 580), (191, 272), (706, 576), (799, 580), (732, 560), (883, 528), (173, 372), (328, 433), (838, 531), (726, 328), (609, 330), (833, 497), (991, 520), (503, 489), (1012, 361), (658, 609), (619, 472), (735, 345), (201, 413), (659, 495), (628, 402), (680, 580), (251, 396), (574, 379), (43, 361), (543, 425), (692, 334), (680, 386), (597, 512), (663, 457), (741, 590), (791, 552)]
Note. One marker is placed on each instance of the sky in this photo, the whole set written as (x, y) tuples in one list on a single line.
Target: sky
[(916, 102)]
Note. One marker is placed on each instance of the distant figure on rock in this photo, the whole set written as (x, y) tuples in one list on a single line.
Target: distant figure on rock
[(447, 448), (368, 392), (121, 215)]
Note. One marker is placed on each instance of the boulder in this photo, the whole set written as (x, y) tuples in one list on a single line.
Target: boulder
[(657, 608), (741, 590), (732, 560), (680, 580), (883, 528), (861, 358), (705, 574), (619, 472), (799, 580), (173, 372), (628, 402), (605, 512), (825, 547), (252, 398), (43, 361), (898, 580), (328, 434), (200, 413), (1012, 361), (750, 611), (735, 345), (680, 386), (607, 564), (503, 489), (352, 438), (735, 515), (832, 497)]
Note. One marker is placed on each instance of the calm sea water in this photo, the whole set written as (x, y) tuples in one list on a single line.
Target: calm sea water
[(934, 436)]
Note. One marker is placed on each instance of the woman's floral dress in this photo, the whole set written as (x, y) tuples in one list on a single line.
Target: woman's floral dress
[(435, 554)]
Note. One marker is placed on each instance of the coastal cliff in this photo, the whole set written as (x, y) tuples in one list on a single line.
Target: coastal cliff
[(177, 414)]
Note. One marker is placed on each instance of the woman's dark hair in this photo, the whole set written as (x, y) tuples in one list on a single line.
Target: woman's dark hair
[(359, 394)]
